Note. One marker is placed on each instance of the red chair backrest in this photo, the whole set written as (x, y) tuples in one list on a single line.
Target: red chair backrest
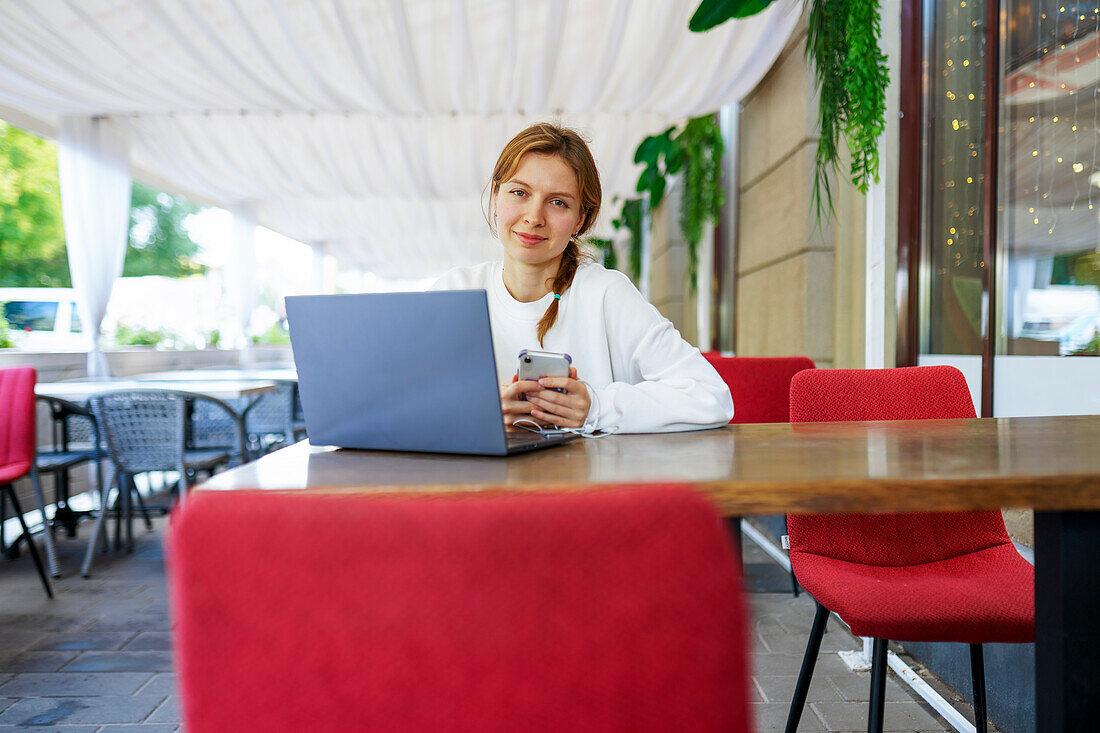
[(609, 610), (907, 393), (17, 437), (760, 385)]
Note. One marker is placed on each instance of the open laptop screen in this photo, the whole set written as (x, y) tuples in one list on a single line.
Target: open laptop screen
[(398, 371)]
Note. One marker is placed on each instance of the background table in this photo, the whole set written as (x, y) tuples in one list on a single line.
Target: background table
[(1050, 464), (79, 391), (269, 374)]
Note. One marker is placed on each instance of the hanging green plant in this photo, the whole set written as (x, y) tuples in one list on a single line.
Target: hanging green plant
[(610, 259), (702, 149), (630, 218), (851, 73), (697, 151), (715, 12), (661, 157)]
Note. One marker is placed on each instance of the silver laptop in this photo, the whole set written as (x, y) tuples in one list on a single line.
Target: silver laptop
[(402, 371)]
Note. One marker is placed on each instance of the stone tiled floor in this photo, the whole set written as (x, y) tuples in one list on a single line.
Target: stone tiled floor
[(98, 657)]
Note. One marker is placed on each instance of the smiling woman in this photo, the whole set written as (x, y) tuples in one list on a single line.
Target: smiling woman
[(546, 293)]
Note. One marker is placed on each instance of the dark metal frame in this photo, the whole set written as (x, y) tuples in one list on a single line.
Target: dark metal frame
[(910, 190)]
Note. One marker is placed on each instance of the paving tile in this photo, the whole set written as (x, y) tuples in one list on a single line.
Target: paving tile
[(84, 640), (39, 622), (168, 712), (780, 688), (898, 716), (16, 640), (140, 728), (6, 702), (53, 728), (73, 684), (779, 664), (771, 716), (163, 683), (856, 687), (38, 711), (135, 622), (49, 661), (150, 640), (122, 661)]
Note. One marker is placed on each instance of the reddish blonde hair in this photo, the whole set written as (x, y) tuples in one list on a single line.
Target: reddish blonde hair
[(547, 138)]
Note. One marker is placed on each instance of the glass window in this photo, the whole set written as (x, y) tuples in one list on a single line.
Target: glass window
[(954, 267), (76, 326), (1050, 179), (30, 315)]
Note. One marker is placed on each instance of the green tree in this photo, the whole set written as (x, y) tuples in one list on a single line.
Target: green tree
[(32, 234), (159, 241), (32, 239)]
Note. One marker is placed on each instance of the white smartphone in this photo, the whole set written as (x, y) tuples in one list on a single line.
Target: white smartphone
[(536, 364)]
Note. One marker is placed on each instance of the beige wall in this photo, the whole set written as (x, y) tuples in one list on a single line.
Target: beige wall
[(669, 286), (799, 286)]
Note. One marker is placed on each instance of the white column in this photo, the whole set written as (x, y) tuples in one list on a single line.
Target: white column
[(874, 338), (704, 295), (242, 279), (93, 165)]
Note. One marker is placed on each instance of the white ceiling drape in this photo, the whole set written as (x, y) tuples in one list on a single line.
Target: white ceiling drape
[(94, 173), (373, 124)]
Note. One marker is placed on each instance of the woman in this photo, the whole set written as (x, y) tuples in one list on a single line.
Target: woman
[(638, 374)]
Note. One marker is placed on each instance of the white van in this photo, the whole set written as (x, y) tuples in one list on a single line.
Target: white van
[(43, 319)]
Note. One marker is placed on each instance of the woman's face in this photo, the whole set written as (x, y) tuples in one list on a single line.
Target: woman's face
[(538, 209)]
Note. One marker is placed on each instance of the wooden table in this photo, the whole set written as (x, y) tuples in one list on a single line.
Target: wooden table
[(1051, 464)]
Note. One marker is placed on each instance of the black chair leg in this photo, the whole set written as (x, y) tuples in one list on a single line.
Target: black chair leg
[(144, 510), (805, 675), (10, 492), (878, 687), (977, 674), (733, 531)]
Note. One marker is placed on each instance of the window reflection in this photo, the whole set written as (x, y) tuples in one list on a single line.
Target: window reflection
[(1050, 179), (953, 169)]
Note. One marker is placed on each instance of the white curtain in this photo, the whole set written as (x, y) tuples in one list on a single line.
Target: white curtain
[(373, 124), (94, 173)]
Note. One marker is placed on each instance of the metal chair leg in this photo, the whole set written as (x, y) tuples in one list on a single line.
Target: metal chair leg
[(733, 531), (977, 674), (805, 675), (47, 535), (144, 510), (878, 687), (97, 531), (131, 489), (10, 492)]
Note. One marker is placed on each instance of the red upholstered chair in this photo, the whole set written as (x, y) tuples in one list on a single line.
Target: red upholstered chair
[(603, 610), (17, 453), (761, 389), (908, 577), (760, 385)]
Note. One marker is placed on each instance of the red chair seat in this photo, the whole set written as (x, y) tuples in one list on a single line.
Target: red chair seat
[(584, 611), (944, 600), (9, 472)]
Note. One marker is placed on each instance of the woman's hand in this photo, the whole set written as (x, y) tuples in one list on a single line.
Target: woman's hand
[(567, 409), (512, 403)]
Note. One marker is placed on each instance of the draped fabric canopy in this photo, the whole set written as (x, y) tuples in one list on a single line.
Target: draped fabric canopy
[(371, 126)]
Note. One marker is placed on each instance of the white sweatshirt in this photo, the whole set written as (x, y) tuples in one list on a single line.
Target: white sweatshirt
[(641, 375)]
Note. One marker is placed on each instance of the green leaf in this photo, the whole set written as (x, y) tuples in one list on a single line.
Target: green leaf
[(648, 151), (674, 161), (711, 13), (657, 193)]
